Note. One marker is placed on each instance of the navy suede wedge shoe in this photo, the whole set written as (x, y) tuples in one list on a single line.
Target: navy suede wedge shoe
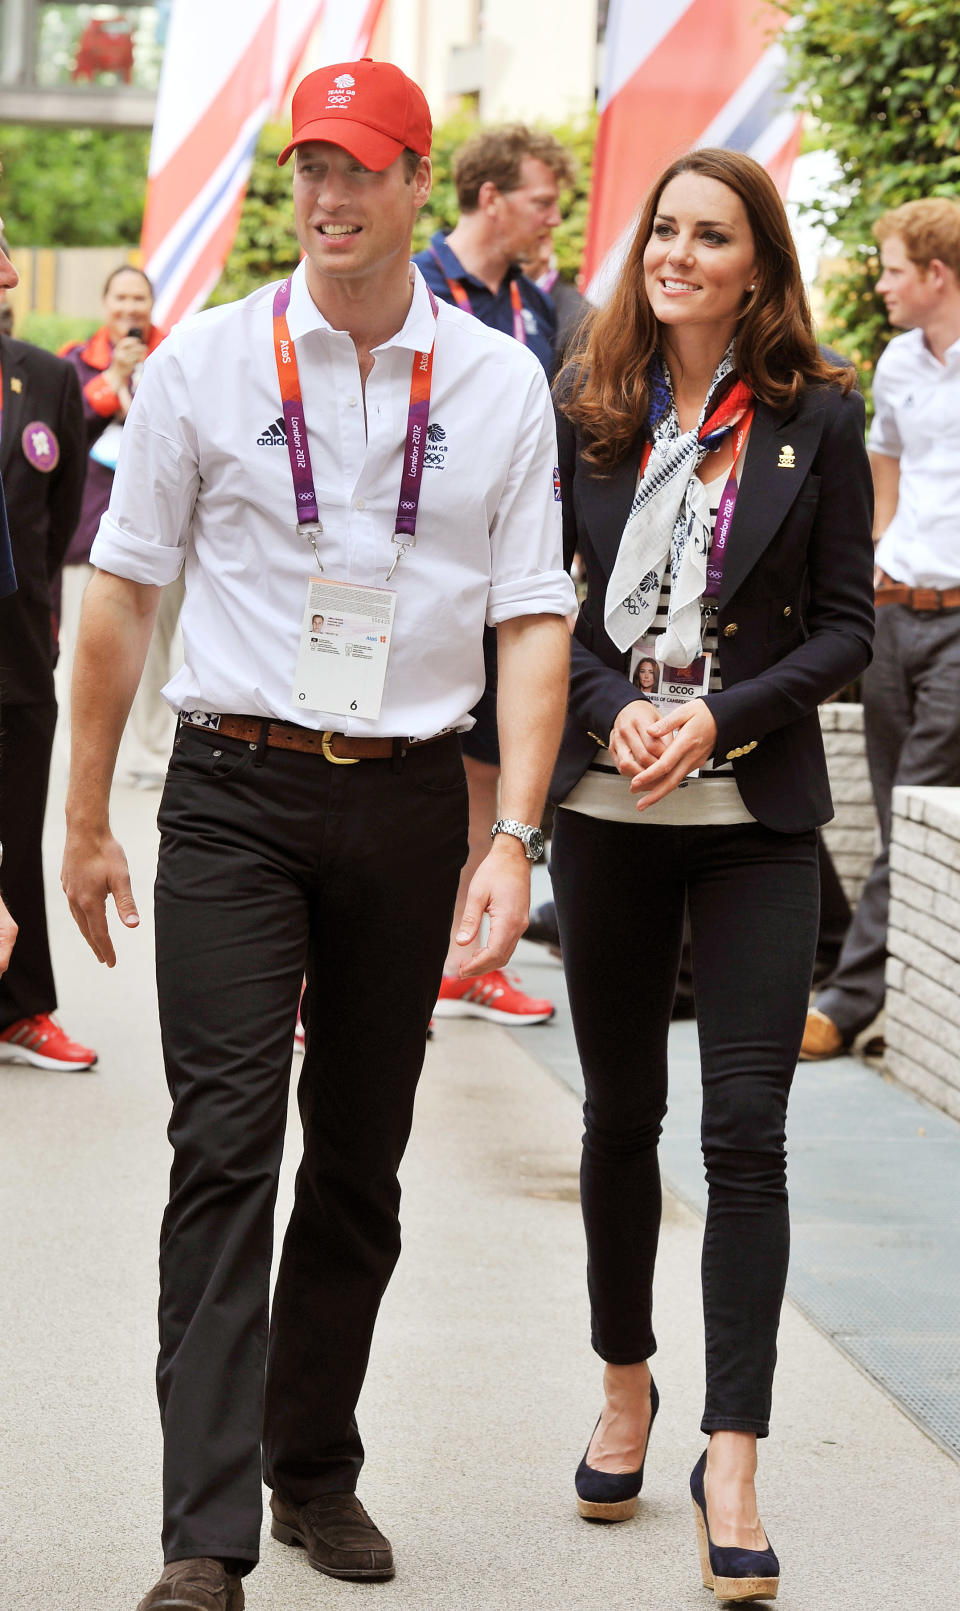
[(732, 1573), (611, 1496)]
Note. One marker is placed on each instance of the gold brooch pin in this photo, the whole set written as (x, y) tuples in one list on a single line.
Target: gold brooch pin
[(787, 459), (16, 385)]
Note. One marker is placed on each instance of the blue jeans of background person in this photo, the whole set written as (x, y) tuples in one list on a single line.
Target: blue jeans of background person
[(273, 865), (753, 900)]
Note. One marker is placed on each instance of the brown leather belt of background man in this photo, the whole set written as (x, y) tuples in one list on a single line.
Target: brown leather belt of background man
[(925, 599), (336, 747)]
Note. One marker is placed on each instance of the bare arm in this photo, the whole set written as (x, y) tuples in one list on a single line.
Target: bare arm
[(533, 655), (115, 628), (886, 491)]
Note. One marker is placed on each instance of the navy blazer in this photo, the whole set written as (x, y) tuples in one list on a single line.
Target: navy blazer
[(42, 509), (796, 611)]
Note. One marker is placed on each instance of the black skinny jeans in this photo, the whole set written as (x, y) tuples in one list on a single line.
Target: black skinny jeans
[(753, 900)]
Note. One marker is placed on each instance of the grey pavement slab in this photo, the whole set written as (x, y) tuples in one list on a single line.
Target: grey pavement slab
[(482, 1389)]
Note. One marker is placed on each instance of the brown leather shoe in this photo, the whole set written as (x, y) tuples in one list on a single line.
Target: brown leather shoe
[(821, 1038), (337, 1534), (197, 1584)]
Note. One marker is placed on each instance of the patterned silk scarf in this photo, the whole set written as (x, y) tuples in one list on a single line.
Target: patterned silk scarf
[(663, 527)]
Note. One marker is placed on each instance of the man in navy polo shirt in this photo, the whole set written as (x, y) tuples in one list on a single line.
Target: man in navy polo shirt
[(508, 182)]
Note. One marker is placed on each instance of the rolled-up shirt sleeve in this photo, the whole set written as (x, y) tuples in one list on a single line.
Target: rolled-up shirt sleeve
[(884, 437), (527, 574), (143, 535)]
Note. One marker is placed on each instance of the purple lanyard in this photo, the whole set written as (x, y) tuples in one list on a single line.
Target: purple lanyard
[(418, 414), (728, 503)]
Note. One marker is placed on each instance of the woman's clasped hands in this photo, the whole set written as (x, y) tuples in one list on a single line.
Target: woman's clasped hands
[(656, 752)]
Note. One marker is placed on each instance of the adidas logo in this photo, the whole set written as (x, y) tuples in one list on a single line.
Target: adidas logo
[(275, 435)]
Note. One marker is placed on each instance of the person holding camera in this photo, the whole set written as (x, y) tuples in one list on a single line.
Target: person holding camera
[(109, 366)]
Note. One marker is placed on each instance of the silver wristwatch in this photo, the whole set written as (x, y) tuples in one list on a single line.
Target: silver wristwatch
[(530, 838)]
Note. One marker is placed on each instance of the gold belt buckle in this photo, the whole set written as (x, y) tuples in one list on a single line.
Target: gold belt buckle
[(336, 760)]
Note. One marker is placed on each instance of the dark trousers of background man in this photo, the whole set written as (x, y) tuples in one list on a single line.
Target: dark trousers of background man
[(753, 900), (911, 715), (26, 744), (273, 863)]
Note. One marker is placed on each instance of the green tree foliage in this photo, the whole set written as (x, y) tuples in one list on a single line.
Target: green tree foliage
[(883, 81), (73, 187), (265, 247)]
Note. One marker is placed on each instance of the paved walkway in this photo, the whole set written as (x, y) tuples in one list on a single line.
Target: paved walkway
[(481, 1391)]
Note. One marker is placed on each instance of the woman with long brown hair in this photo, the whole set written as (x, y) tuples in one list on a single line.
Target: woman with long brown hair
[(715, 483)]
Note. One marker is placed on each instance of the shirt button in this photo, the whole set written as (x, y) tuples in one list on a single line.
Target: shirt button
[(361, 503), (730, 630), (352, 401)]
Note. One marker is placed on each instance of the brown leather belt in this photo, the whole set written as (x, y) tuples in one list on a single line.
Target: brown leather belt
[(926, 599), (339, 748)]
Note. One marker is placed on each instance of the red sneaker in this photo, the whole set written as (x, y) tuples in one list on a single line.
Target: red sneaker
[(38, 1040), (491, 996)]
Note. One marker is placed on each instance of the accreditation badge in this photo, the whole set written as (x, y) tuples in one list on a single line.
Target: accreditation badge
[(668, 686), (344, 648)]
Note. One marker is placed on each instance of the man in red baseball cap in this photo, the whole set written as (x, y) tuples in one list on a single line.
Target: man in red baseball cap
[(343, 445)]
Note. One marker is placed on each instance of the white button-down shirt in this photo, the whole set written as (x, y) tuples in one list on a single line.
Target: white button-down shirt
[(917, 421), (204, 481)]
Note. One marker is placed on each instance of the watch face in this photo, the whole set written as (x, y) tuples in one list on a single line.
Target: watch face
[(535, 844)]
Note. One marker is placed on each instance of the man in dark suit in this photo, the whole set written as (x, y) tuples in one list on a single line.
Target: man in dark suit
[(8, 585), (42, 462)]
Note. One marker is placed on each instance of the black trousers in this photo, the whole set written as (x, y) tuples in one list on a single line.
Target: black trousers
[(272, 864), (26, 745), (753, 904)]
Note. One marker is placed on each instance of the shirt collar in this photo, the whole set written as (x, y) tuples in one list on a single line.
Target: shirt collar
[(416, 332), (453, 269)]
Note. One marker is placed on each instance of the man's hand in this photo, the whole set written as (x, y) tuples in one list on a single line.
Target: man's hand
[(632, 741), (94, 866), (8, 933), (501, 888), (690, 736)]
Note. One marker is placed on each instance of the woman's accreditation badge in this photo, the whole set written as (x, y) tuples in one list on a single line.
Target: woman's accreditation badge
[(40, 446)]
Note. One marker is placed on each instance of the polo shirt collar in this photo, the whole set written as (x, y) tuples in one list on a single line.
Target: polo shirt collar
[(454, 270), (416, 332)]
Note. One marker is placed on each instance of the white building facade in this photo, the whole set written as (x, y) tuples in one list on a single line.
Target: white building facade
[(533, 60)]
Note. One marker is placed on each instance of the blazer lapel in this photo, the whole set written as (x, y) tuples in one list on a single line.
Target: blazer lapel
[(14, 393), (605, 502), (778, 459)]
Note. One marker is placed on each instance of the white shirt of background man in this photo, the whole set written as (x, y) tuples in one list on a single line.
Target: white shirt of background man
[(917, 421)]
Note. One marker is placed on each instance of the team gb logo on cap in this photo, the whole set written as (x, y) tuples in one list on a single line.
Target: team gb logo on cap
[(343, 90)]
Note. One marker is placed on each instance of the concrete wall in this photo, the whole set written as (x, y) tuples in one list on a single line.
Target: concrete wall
[(923, 940), (851, 837)]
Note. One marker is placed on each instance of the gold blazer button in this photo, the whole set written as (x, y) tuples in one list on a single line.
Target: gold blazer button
[(787, 610), (731, 629)]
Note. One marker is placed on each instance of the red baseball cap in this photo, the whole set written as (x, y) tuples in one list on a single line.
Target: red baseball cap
[(371, 109)]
